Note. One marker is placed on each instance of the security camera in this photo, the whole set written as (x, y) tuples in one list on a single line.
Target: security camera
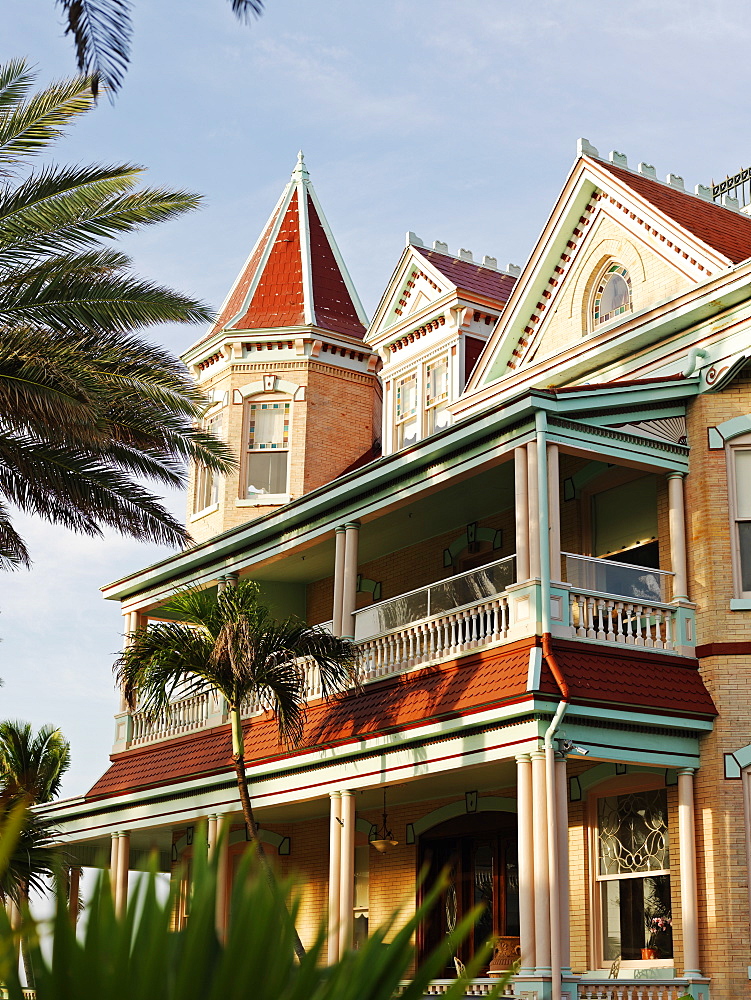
[(567, 746)]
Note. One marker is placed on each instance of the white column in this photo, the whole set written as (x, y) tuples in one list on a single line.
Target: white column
[(347, 873), (561, 784), (349, 595), (222, 876), (340, 540), (123, 868), (554, 512), (525, 821), (114, 859), (687, 853), (335, 865), (211, 835), (542, 884), (677, 521), (521, 508), (74, 889), (533, 510)]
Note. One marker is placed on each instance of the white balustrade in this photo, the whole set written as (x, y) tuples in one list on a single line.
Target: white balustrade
[(613, 619), (444, 635), (640, 989), (184, 716)]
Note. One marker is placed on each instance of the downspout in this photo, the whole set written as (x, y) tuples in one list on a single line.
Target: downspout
[(692, 360), (554, 874)]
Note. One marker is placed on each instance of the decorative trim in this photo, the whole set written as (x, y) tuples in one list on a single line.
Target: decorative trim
[(730, 429), (471, 803)]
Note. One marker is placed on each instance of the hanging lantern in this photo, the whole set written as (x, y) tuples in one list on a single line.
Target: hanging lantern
[(384, 838)]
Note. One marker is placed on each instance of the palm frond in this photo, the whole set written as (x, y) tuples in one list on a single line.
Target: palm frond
[(102, 33), (244, 10), (16, 80), (28, 128), (13, 551)]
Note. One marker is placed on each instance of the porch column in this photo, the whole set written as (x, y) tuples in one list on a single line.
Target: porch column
[(74, 891), (341, 540), (541, 865), (677, 521), (521, 509), (123, 868), (687, 854), (561, 787), (114, 858), (526, 838), (349, 595), (554, 513), (335, 865), (222, 876), (533, 511), (347, 872), (211, 835)]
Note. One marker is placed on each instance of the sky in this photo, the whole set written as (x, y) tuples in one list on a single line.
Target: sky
[(455, 120)]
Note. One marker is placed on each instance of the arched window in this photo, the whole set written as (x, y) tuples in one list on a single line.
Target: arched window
[(612, 295)]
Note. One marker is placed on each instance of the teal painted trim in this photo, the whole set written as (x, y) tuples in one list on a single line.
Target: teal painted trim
[(369, 829), (740, 604), (715, 440), (636, 416), (484, 803), (743, 756), (734, 428), (732, 768), (631, 717), (619, 444), (604, 772), (282, 844)]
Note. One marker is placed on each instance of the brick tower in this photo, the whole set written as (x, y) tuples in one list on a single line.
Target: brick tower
[(289, 382)]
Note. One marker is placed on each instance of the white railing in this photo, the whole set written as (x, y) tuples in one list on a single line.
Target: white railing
[(444, 635), (312, 688), (606, 576), (639, 989), (438, 598), (184, 716), (473, 988), (630, 623)]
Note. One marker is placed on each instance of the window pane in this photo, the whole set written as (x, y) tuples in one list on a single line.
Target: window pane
[(436, 381), (407, 433), (406, 397), (742, 483), (633, 833), (267, 472), (269, 425), (744, 548), (438, 418), (636, 914)]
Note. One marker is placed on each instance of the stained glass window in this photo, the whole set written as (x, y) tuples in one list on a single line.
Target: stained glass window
[(268, 448), (634, 876), (406, 411), (436, 394), (613, 295)]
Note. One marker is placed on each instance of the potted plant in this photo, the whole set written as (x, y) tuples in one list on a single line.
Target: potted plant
[(658, 927)]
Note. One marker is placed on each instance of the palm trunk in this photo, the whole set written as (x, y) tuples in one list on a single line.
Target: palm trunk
[(28, 967), (238, 759)]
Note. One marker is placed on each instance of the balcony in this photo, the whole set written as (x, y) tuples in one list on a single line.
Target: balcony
[(601, 601)]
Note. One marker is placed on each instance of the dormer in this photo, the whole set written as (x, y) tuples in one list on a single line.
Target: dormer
[(288, 379), (432, 323)]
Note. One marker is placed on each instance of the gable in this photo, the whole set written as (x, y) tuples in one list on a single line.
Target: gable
[(652, 278), (413, 289)]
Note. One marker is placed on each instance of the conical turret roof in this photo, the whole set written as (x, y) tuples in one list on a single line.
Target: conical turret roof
[(295, 274)]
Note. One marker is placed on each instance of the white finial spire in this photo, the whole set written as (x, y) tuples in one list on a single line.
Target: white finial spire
[(300, 170)]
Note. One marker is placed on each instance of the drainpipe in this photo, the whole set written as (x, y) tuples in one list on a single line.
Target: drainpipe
[(554, 874), (692, 360)]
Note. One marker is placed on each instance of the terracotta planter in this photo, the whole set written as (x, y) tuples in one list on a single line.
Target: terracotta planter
[(649, 953)]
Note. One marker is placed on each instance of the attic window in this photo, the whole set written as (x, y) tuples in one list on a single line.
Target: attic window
[(612, 295)]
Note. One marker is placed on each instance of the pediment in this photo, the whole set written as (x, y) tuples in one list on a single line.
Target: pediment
[(598, 221), (415, 286)]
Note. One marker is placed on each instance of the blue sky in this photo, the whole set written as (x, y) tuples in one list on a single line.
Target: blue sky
[(455, 120)]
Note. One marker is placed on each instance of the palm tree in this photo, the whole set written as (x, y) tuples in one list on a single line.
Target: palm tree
[(31, 769), (102, 33), (88, 409), (232, 645)]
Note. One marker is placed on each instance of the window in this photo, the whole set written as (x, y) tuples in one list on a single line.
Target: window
[(436, 395), (740, 474), (207, 482), (612, 295), (406, 411), (633, 876), (267, 449)]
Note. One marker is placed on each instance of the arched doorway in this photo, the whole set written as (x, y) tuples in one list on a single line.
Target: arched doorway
[(479, 852)]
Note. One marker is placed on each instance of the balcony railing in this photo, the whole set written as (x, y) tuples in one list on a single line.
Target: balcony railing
[(602, 601), (639, 989)]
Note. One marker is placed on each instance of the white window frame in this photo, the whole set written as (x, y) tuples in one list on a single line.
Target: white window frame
[(622, 785), (735, 445), (594, 326), (413, 373), (430, 408), (263, 499), (205, 480)]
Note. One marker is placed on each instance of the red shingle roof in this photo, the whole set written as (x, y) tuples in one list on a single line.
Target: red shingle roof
[(470, 277), (599, 675), (720, 228)]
